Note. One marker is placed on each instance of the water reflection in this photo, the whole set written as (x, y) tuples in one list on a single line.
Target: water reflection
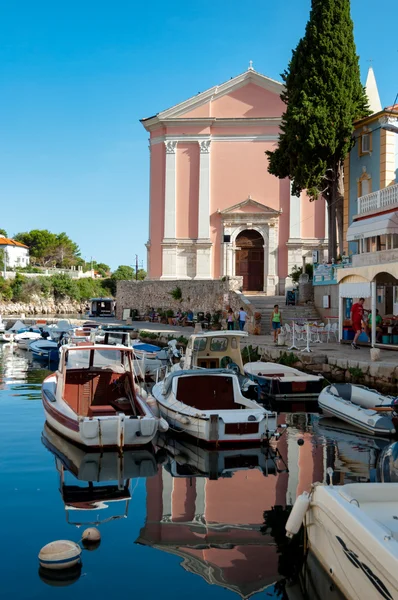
[(219, 514), (96, 486)]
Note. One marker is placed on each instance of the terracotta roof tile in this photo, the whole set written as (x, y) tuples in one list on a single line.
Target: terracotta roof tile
[(8, 242)]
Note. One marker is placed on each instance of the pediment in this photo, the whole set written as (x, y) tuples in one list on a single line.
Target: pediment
[(249, 95), (250, 206)]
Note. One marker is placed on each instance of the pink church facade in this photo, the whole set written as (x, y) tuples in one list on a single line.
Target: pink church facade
[(215, 210)]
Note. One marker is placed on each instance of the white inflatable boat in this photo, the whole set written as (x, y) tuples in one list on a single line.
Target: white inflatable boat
[(358, 406)]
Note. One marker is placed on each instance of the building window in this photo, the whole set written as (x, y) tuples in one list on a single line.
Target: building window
[(394, 237), (365, 143)]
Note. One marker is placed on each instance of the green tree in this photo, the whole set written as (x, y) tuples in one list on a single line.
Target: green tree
[(3, 232), (141, 274), (123, 272), (324, 96), (48, 249)]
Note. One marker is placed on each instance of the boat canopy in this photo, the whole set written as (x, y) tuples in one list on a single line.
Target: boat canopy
[(214, 350), (168, 382)]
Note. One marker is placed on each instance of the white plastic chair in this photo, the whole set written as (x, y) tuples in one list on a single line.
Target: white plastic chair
[(300, 332), (334, 330), (288, 330)]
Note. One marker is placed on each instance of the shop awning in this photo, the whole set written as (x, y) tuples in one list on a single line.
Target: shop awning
[(366, 228)]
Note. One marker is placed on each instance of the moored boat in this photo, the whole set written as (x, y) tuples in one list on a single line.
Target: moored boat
[(279, 382), (93, 400), (24, 339), (208, 405), (353, 532), (218, 350), (335, 401), (44, 350)]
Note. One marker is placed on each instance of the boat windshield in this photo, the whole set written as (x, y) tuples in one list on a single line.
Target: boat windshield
[(80, 359)]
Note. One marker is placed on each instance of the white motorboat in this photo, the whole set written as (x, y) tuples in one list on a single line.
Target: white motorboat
[(8, 335), (208, 405), (93, 400), (24, 339), (218, 350), (344, 402), (280, 382), (353, 532)]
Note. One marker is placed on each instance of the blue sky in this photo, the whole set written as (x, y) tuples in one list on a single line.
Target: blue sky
[(76, 77)]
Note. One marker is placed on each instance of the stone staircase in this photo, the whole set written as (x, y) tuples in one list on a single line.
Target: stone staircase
[(265, 305)]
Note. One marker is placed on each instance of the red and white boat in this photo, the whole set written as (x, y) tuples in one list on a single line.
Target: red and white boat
[(93, 400)]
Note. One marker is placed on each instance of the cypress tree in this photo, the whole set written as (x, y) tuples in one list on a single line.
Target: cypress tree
[(323, 96)]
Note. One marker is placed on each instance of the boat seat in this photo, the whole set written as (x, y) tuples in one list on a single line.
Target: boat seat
[(101, 411)]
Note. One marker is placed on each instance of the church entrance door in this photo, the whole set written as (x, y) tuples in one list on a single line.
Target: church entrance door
[(250, 260)]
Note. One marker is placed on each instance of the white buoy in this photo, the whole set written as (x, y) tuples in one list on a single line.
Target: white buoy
[(296, 517), (61, 554), (91, 536)]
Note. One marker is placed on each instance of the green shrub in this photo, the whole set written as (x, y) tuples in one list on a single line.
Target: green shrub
[(176, 293), (250, 354), (288, 359), (5, 290)]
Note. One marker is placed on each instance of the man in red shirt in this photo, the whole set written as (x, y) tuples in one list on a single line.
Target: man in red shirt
[(357, 311)]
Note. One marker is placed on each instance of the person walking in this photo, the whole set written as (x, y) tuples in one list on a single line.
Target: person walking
[(276, 322), (357, 313), (230, 320), (242, 318)]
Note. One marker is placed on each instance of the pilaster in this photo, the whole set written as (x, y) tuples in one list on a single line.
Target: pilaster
[(204, 191), (170, 191)]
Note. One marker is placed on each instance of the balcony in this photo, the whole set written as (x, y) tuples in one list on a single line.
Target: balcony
[(377, 201)]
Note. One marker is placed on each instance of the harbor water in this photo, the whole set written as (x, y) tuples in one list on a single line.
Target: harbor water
[(176, 519)]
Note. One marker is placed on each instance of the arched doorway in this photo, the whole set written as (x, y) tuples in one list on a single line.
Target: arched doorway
[(250, 259)]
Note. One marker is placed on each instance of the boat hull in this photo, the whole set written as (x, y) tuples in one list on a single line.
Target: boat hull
[(223, 427), (361, 418), (284, 383), (100, 432), (348, 552)]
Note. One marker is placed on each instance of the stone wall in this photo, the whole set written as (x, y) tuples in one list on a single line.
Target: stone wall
[(43, 307), (331, 290), (205, 296)]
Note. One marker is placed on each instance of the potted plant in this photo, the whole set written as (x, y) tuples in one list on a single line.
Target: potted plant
[(169, 316), (216, 320)]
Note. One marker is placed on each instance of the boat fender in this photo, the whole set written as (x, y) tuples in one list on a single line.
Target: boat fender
[(163, 425), (61, 554), (297, 515), (184, 420)]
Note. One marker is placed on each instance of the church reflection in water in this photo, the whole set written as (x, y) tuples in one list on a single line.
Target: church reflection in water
[(222, 511), (209, 508)]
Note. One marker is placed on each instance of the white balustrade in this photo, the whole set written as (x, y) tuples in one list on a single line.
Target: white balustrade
[(380, 199)]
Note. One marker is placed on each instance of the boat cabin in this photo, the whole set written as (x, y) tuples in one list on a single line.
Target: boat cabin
[(98, 380), (101, 307), (215, 350)]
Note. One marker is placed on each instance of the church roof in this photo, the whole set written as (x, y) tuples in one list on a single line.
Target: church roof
[(217, 91)]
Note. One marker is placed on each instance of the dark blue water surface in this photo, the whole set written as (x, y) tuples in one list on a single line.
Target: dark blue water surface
[(177, 520)]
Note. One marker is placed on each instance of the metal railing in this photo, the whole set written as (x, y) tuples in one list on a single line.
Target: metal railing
[(380, 199)]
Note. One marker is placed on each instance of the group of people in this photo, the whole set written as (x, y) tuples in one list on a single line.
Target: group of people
[(360, 317), (239, 319)]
